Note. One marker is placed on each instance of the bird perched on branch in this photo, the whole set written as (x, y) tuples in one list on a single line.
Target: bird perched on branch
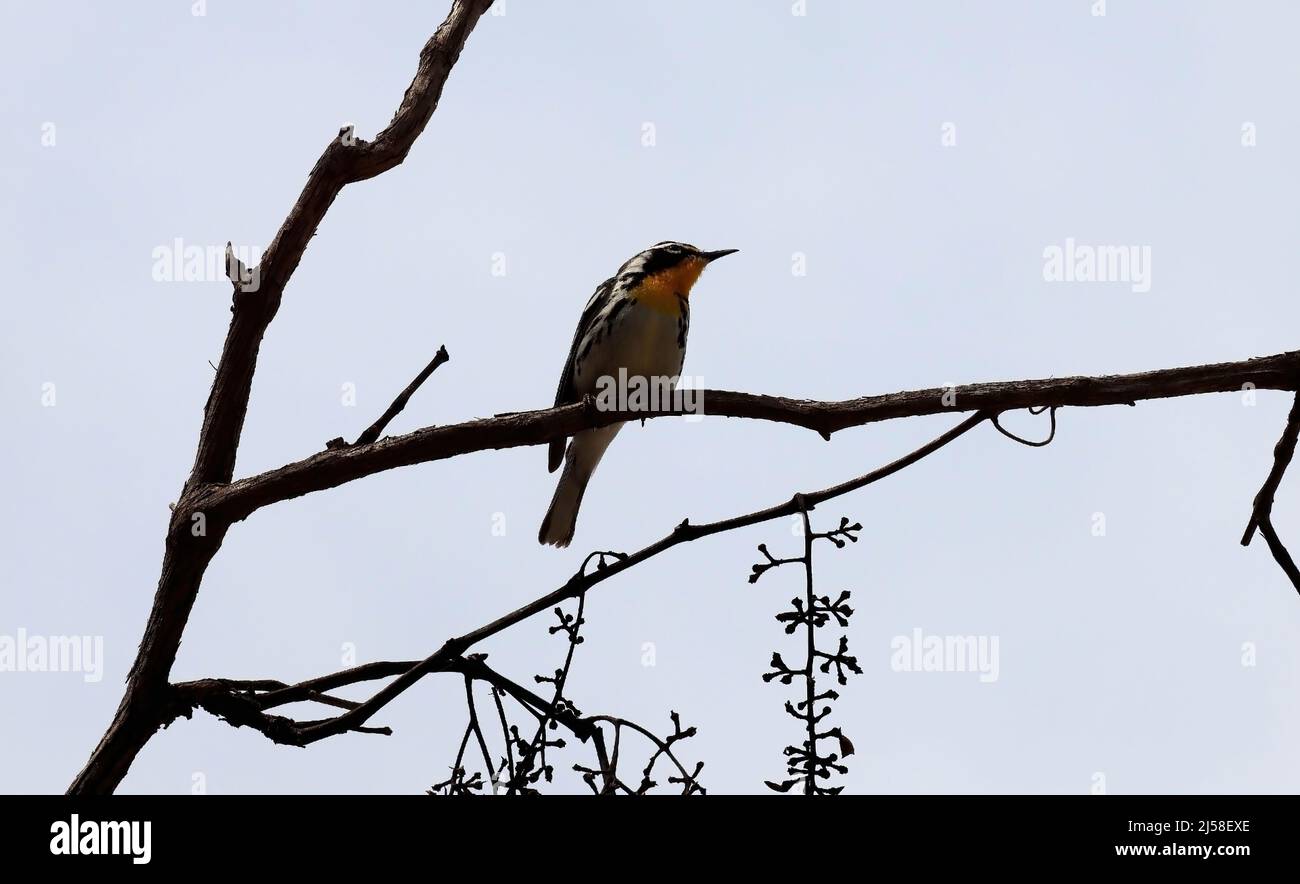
[(634, 326)]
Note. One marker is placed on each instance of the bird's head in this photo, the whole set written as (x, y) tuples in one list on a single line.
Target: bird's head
[(671, 267)]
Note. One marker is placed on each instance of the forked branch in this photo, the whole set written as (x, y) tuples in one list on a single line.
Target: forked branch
[(1262, 513), (147, 703)]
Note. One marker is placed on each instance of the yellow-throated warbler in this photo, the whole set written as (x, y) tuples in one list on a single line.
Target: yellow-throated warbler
[(635, 325)]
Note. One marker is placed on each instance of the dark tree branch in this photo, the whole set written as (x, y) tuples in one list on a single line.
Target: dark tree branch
[(242, 703), (373, 431), (1262, 512), (345, 160), (505, 733), (663, 748), (449, 658), (305, 690), (474, 725), (236, 500), (810, 680), (571, 625), (805, 763), (247, 700), (146, 703), (240, 707), (1279, 552), (332, 468), (1283, 451)]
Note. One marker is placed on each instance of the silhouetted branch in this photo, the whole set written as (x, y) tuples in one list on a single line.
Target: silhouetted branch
[(534, 753), (373, 431), (509, 767), (812, 612), (331, 468), (608, 564), (845, 532), (532, 764), (761, 568), (243, 703), (146, 704), (688, 780), (805, 764), (1262, 511), (1012, 436), (238, 704), (450, 656)]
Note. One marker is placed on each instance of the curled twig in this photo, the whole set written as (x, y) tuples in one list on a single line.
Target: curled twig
[(1010, 435)]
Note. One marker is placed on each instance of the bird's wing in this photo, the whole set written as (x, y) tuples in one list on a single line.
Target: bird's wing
[(564, 393)]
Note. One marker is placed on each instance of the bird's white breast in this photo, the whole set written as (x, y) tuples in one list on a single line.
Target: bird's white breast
[(642, 341)]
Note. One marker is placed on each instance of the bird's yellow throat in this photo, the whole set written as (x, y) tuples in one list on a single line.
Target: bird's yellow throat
[(659, 291)]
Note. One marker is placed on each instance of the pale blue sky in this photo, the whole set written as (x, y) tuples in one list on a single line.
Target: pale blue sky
[(775, 134)]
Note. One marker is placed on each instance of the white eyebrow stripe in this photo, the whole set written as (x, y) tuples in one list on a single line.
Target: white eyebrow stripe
[(637, 263)]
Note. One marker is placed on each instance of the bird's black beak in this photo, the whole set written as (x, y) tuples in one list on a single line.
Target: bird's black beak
[(710, 257)]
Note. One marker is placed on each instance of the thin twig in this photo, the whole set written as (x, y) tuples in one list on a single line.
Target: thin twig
[(662, 746), (1279, 551), (580, 583), (1262, 511), (478, 731), (1283, 451), (505, 732), (810, 679), (1012, 436), (372, 433)]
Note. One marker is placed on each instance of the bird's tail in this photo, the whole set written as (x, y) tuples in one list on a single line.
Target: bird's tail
[(562, 518), (584, 454)]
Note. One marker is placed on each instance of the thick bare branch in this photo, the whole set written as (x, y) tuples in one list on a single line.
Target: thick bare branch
[(331, 468), (345, 159), (191, 540), (335, 467)]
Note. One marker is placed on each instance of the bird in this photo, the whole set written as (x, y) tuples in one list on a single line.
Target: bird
[(634, 325)]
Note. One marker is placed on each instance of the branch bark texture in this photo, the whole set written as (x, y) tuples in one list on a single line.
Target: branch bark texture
[(144, 706), (334, 467)]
